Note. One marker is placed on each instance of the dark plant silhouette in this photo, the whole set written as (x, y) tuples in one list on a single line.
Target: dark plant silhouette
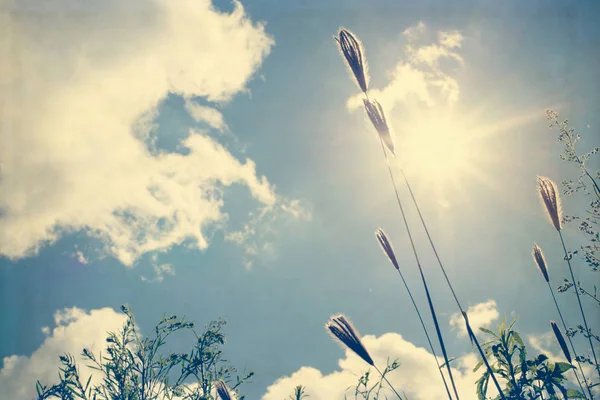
[(135, 369), (342, 330), (524, 378)]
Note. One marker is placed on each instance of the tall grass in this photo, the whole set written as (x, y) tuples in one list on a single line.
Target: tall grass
[(352, 51), (540, 261), (389, 251), (550, 198)]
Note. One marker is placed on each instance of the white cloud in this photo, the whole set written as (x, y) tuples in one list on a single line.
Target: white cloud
[(209, 115), (480, 315), (74, 330), (80, 257), (418, 78), (417, 376), (450, 39), (79, 87)]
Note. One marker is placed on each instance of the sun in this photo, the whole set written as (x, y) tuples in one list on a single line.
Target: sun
[(440, 149)]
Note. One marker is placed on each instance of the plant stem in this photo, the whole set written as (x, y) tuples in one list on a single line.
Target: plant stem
[(483, 357), (430, 302), (583, 291), (388, 382), (562, 241), (448, 281), (562, 320)]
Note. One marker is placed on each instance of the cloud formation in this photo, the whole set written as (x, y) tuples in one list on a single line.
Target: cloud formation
[(79, 89), (417, 375), (75, 329), (480, 315)]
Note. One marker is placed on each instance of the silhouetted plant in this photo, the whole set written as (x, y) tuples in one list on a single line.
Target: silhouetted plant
[(135, 369), (524, 378), (298, 394), (365, 389), (540, 261), (551, 199), (344, 332), (377, 117), (586, 184), (387, 248)]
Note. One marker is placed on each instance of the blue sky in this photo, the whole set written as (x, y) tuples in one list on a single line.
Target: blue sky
[(208, 161)]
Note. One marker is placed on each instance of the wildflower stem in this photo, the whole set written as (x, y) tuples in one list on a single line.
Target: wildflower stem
[(562, 320), (430, 302), (388, 382), (568, 260)]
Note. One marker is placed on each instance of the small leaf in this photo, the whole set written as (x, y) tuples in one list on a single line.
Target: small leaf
[(574, 394), (563, 366)]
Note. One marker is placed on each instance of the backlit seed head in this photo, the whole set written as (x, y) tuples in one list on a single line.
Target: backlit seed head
[(386, 247), (540, 261), (342, 330), (550, 197), (352, 51), (377, 117)]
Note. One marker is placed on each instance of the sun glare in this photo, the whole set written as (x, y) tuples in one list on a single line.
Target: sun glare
[(440, 149)]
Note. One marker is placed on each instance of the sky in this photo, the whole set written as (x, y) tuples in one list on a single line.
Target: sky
[(212, 159)]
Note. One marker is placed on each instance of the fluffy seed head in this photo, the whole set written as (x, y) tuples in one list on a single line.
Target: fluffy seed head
[(377, 117), (540, 261), (342, 330), (386, 247), (561, 340), (352, 51), (551, 199), (223, 390)]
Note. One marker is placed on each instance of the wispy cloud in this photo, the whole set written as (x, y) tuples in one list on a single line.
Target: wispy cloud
[(78, 112), (480, 315), (209, 115), (160, 270), (419, 78), (258, 236)]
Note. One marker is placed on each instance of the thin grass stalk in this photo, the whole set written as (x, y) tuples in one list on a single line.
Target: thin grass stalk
[(392, 258), (568, 260), (482, 353), (562, 320), (540, 260), (429, 301), (388, 382), (350, 62), (472, 335)]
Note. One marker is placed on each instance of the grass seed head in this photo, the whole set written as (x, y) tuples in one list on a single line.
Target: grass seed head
[(352, 51), (386, 247), (377, 117), (540, 261), (342, 330), (551, 199), (223, 390), (561, 340)]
